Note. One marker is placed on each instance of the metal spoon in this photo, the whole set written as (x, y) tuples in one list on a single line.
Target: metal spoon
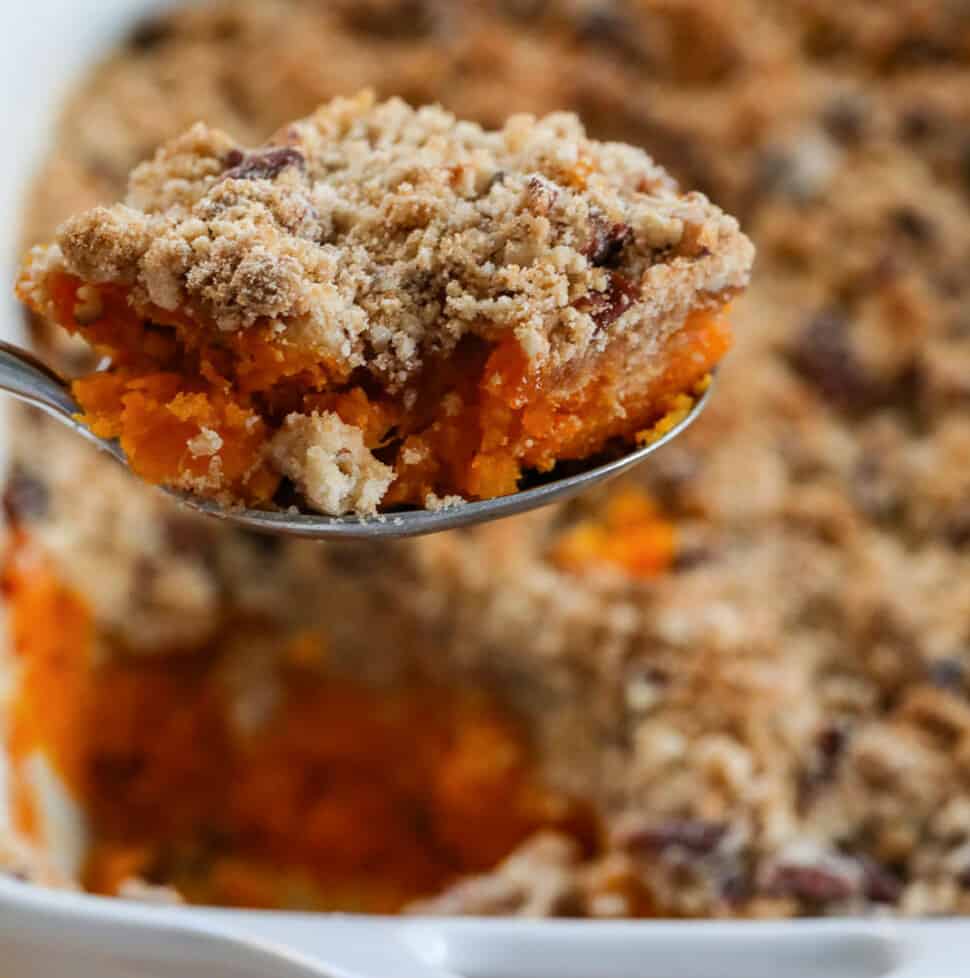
[(33, 381)]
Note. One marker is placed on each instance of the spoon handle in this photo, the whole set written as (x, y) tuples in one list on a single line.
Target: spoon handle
[(29, 379)]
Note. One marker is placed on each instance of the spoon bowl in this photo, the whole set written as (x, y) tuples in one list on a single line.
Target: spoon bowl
[(29, 379)]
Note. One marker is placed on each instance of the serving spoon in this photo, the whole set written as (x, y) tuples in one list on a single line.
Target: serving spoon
[(31, 380)]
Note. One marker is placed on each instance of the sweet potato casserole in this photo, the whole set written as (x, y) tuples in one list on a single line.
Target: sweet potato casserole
[(388, 306), (735, 685)]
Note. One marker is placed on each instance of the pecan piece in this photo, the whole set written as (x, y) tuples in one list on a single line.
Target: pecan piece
[(541, 195), (25, 497), (813, 884), (607, 243), (823, 354), (696, 836), (606, 307), (913, 224), (264, 164), (878, 884), (845, 118), (829, 747)]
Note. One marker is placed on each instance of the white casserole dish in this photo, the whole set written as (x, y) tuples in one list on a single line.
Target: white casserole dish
[(43, 45)]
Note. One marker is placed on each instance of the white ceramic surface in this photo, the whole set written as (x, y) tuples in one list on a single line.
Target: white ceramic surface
[(43, 44)]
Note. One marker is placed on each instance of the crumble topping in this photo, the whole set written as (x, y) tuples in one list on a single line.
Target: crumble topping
[(539, 879), (477, 303), (206, 443), (330, 464), (373, 234)]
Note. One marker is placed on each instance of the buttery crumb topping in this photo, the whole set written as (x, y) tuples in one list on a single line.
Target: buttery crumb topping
[(375, 234), (330, 464)]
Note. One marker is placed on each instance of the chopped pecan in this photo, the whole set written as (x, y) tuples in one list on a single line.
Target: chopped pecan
[(696, 836), (541, 195), (693, 556), (264, 164), (918, 123), (25, 497), (879, 884), (606, 307), (823, 354), (845, 118), (831, 743), (829, 747), (813, 884), (607, 242), (913, 224)]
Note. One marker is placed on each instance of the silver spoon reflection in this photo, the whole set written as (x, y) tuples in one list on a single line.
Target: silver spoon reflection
[(29, 379)]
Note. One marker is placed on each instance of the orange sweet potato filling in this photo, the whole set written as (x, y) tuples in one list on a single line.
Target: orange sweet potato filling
[(630, 534), (53, 624), (350, 798), (481, 419)]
